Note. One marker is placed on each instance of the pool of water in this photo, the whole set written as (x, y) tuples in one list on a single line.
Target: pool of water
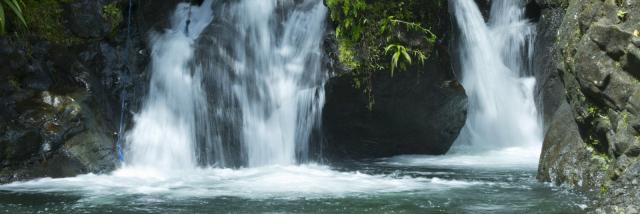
[(447, 184)]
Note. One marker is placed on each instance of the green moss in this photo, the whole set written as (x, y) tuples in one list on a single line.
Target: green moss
[(113, 14), (604, 188), (347, 55), (45, 19), (13, 82), (625, 120), (365, 28)]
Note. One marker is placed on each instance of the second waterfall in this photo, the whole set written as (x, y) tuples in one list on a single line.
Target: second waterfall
[(496, 61), (242, 87)]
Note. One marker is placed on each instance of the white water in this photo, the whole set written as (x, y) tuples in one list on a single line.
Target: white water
[(496, 60), (520, 158), (277, 53), (503, 128), (164, 133), (282, 182), (276, 81)]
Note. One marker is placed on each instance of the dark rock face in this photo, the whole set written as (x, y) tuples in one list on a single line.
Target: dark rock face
[(417, 111), (589, 88), (550, 91), (86, 19), (61, 102)]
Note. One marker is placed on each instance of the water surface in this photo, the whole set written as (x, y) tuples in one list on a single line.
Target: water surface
[(424, 184)]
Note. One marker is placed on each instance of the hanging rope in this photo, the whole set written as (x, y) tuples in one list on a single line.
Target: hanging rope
[(124, 81)]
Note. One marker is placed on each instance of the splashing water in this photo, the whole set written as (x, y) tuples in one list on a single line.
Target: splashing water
[(496, 62), (164, 133), (274, 81), (281, 86)]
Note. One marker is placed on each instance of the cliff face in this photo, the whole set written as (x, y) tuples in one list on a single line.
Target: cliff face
[(61, 82), (590, 92)]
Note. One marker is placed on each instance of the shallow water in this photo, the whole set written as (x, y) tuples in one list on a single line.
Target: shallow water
[(398, 184)]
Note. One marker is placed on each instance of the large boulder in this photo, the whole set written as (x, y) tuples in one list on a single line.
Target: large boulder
[(418, 111)]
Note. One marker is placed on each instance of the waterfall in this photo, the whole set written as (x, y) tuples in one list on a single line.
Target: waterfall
[(280, 86), (496, 62), (254, 84), (164, 132)]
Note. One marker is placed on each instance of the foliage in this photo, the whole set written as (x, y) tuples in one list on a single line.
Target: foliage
[(398, 50), (113, 15), (45, 19), (15, 6), (622, 15), (370, 31)]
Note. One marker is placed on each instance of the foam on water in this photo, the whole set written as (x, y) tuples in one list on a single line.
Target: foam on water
[(525, 158), (272, 182)]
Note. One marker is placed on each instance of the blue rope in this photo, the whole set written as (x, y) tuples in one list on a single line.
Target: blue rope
[(123, 93)]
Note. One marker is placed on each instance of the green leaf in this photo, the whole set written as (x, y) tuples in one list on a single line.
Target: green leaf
[(406, 56), (394, 62), (15, 6), (1, 20), (386, 50), (421, 57)]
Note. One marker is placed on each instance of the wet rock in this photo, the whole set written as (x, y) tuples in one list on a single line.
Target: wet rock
[(550, 89), (61, 102), (414, 113), (566, 158), (632, 63), (610, 38), (592, 140), (87, 18)]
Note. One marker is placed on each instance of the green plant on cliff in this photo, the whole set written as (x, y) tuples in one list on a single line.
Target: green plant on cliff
[(15, 6), (622, 15), (372, 33), (113, 15), (401, 62), (400, 50), (45, 20)]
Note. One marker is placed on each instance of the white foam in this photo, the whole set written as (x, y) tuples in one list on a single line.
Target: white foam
[(280, 182), (512, 158)]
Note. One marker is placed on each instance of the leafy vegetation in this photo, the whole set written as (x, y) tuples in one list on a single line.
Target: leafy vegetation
[(45, 20), (622, 15), (15, 6), (382, 35), (113, 14)]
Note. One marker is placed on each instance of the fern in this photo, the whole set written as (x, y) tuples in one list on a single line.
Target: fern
[(15, 7), (401, 56)]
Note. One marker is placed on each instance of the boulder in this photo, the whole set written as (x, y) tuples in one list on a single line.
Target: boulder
[(418, 111)]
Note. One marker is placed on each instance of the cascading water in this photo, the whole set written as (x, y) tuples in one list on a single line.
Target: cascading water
[(496, 62), (503, 128), (279, 83), (165, 130), (274, 79)]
